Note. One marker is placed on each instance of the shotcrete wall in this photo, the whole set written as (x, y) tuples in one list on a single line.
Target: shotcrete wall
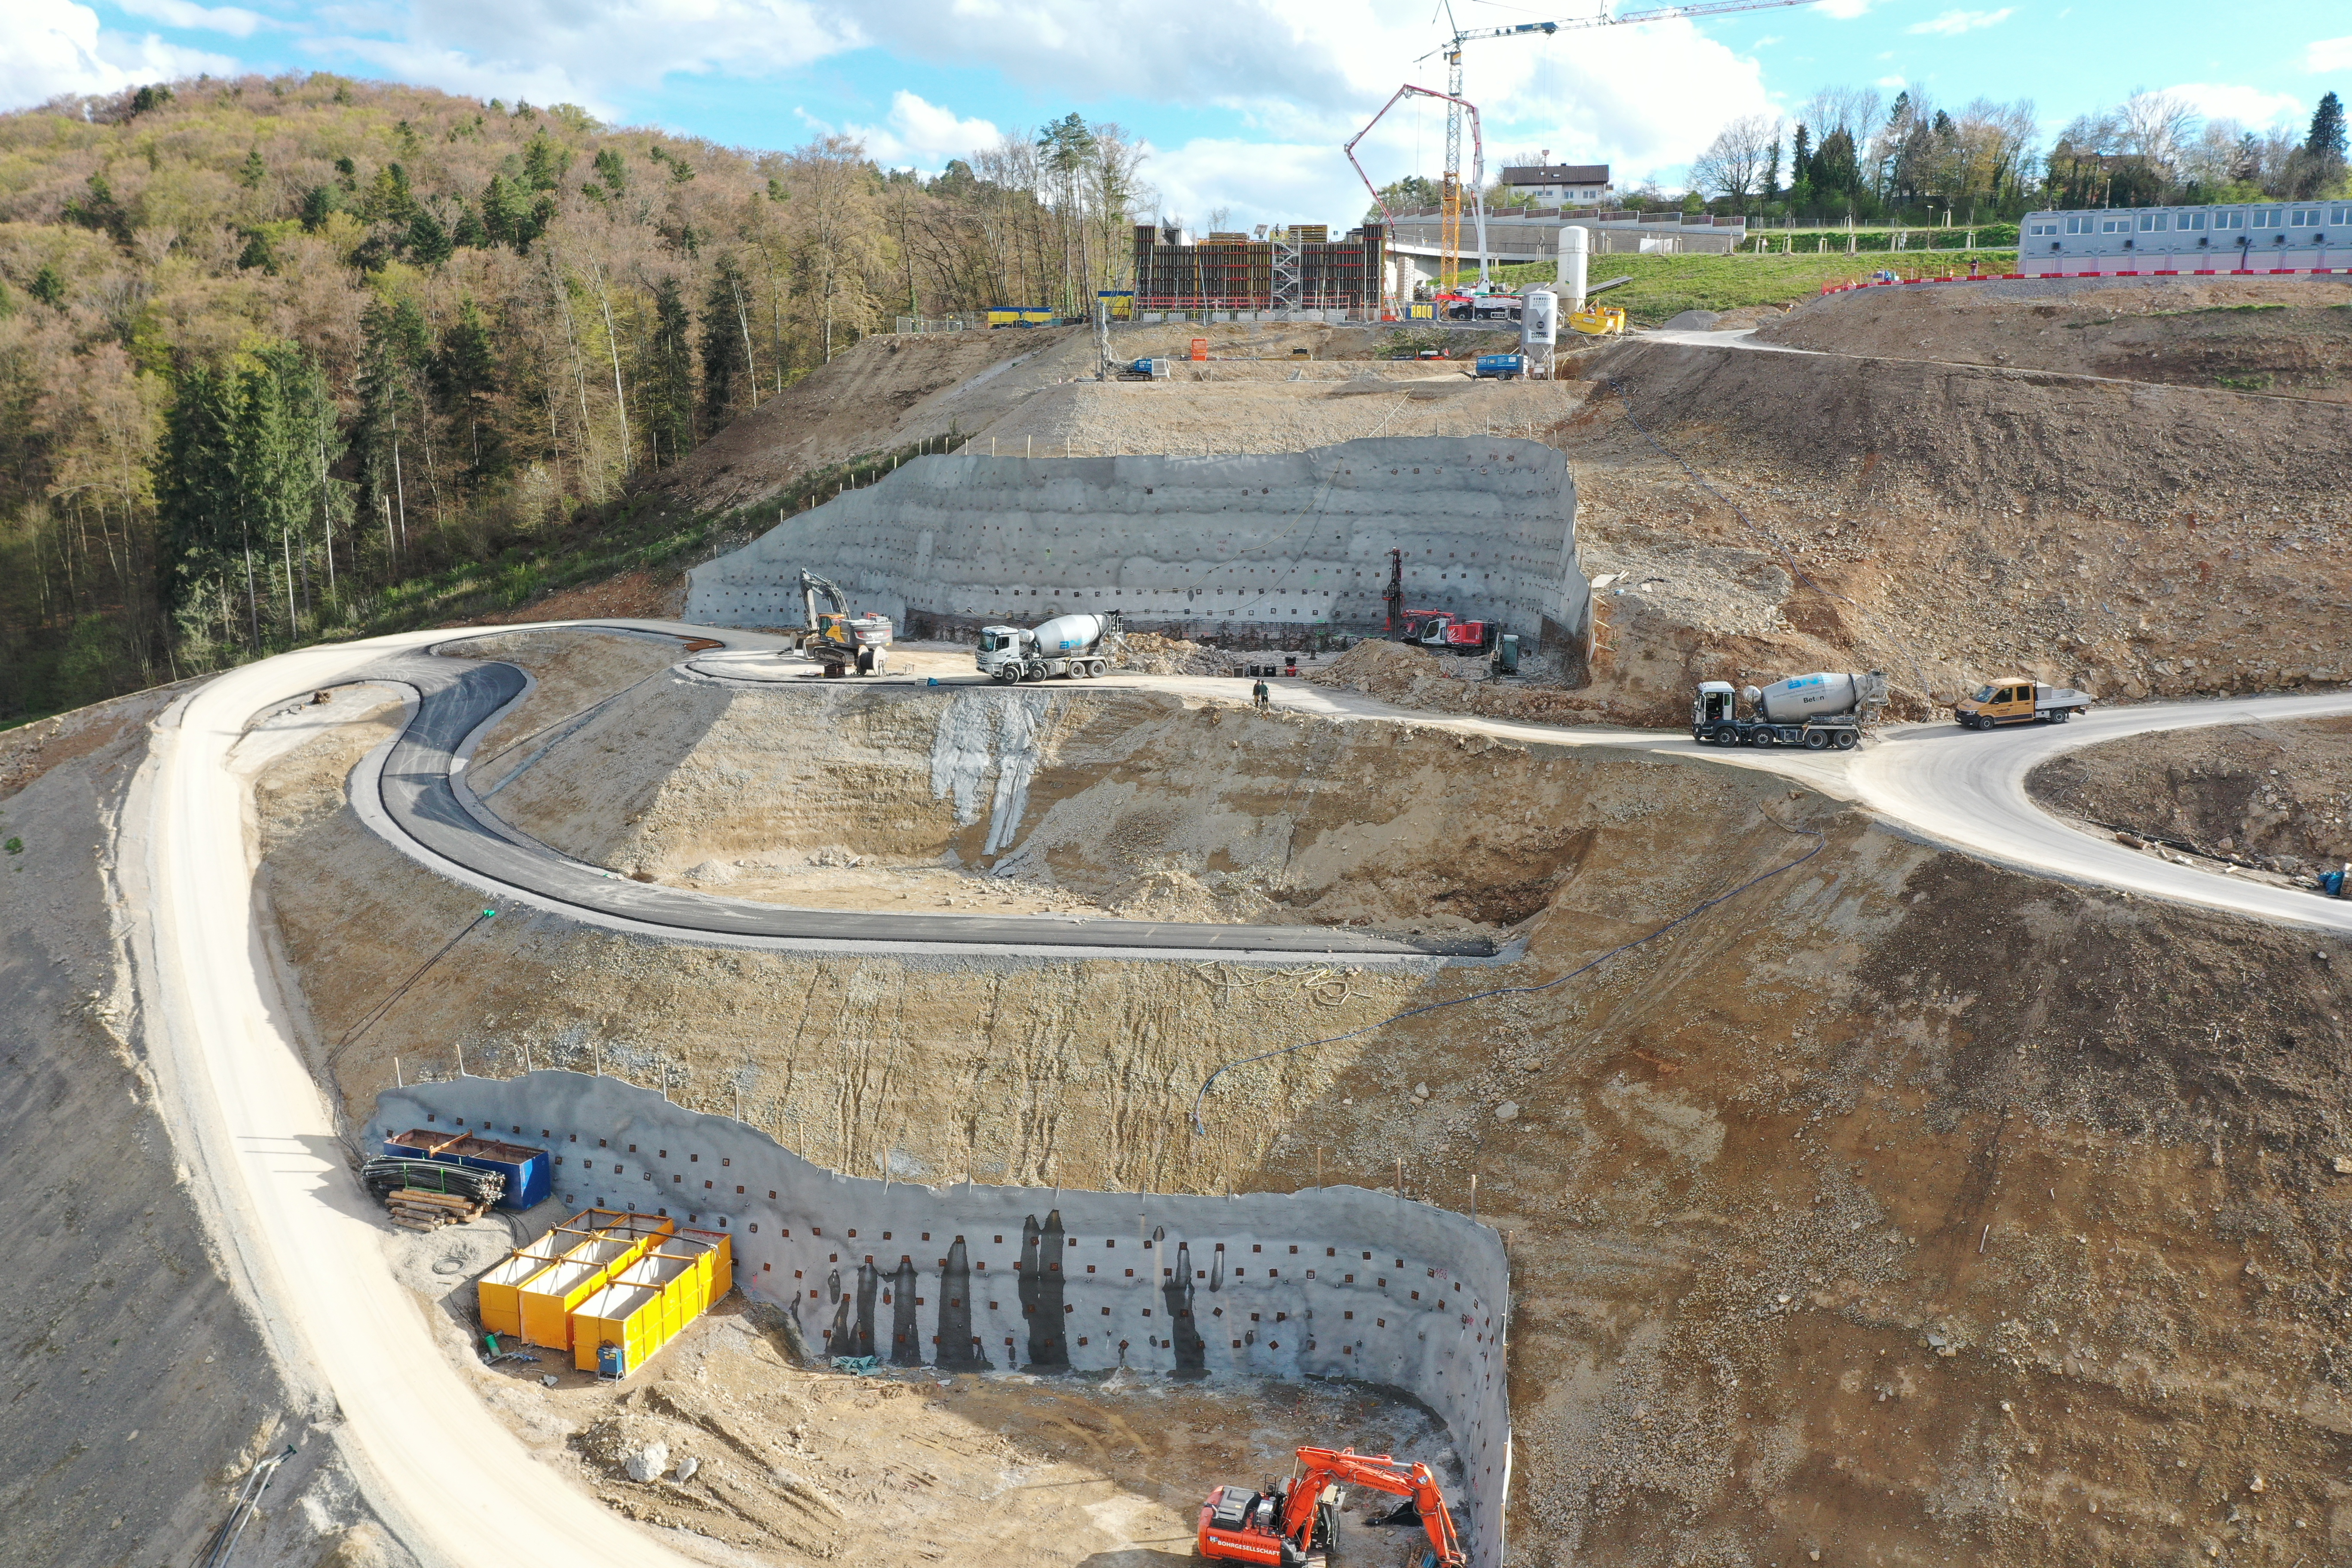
[(1233, 548), (1330, 1282)]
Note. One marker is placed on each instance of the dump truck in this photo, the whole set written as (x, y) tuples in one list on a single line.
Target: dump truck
[(1080, 646), (1823, 711), (2019, 699), (837, 640)]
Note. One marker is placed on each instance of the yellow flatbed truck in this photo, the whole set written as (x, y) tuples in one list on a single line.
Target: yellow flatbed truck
[(2015, 700)]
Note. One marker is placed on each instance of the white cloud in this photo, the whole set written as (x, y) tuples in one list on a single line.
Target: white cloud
[(53, 47), (2328, 55), (922, 134), (1843, 10), (235, 21), (1767, 41), (1893, 81), (2247, 105), (600, 47), (454, 71), (1952, 24)]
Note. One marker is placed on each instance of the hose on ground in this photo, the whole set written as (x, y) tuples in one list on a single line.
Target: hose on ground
[(376, 1014), (1821, 842)]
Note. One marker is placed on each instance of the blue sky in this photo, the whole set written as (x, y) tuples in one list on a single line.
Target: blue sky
[(1243, 103)]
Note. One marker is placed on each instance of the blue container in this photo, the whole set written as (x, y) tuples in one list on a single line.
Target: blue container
[(530, 1173), (1507, 366), (610, 1362)]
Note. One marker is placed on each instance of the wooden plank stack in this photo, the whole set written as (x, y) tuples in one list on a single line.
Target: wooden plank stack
[(425, 1195), (413, 1208)]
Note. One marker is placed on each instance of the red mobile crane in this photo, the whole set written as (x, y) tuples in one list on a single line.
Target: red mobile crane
[(1291, 1526)]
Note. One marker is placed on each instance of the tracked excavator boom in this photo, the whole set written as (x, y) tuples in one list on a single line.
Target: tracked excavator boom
[(837, 640), (1292, 1526)]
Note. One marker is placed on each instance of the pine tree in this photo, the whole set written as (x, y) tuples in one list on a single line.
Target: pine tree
[(466, 375), (544, 161), (2327, 136), (428, 242), (273, 472), (726, 353), (319, 203), (195, 491), (394, 346), (668, 379)]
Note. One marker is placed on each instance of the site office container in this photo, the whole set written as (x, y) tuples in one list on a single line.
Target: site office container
[(550, 1296), (529, 1172), (499, 1293), (653, 1300)]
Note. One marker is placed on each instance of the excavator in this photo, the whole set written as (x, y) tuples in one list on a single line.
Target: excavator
[(836, 639), (1292, 1526)]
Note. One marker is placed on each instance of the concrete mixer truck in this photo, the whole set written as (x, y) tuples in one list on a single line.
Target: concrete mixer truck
[(1824, 711), (1080, 646)]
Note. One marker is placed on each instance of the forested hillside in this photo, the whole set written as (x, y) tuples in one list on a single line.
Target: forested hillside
[(293, 358)]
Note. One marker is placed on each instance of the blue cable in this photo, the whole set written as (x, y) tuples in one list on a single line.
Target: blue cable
[(1820, 841)]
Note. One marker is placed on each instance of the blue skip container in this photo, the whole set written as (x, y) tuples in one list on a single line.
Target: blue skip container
[(529, 1173)]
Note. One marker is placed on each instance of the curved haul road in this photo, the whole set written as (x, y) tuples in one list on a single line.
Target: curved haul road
[(304, 1243), (419, 784)]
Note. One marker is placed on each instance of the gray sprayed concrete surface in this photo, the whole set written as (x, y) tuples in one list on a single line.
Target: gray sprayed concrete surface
[(1195, 546), (1327, 1282)]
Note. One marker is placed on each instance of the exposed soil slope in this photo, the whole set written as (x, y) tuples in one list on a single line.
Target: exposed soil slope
[(890, 392), (2288, 336), (139, 1387), (2279, 794), (1899, 1209), (1959, 523), (1141, 803)]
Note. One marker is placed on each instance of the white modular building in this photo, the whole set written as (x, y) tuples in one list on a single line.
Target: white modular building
[(2249, 237)]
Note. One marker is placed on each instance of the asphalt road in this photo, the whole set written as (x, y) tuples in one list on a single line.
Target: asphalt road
[(304, 1244), (421, 787)]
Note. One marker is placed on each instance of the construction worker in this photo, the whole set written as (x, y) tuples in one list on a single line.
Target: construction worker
[(1261, 695)]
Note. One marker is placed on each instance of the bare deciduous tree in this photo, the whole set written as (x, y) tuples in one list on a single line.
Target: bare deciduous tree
[(1734, 162)]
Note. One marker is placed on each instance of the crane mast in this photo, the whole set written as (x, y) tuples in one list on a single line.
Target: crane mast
[(1449, 264)]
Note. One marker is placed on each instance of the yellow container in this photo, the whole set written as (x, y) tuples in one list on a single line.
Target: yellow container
[(549, 1296), (499, 1292), (650, 1303)]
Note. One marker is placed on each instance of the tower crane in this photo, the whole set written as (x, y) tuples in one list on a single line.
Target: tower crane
[(1450, 188)]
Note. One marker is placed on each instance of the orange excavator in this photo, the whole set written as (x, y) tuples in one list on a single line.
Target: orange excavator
[(1292, 1526)]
